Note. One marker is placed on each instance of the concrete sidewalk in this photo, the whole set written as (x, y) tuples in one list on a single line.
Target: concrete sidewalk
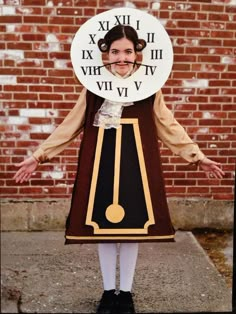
[(42, 275)]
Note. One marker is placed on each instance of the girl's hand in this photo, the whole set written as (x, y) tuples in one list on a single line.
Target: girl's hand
[(27, 167), (211, 168)]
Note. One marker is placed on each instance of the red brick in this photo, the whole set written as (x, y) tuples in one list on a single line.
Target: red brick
[(8, 19), (35, 19), (229, 43), (188, 24), (163, 15), (212, 8), (175, 190), (218, 17), (183, 15), (33, 2), (6, 191), (33, 37)]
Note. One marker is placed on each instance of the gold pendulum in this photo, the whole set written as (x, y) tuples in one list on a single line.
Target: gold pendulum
[(115, 212)]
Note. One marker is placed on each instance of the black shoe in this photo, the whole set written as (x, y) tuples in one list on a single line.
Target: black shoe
[(107, 302), (125, 304)]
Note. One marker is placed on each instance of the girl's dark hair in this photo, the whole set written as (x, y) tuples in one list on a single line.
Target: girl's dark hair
[(118, 32)]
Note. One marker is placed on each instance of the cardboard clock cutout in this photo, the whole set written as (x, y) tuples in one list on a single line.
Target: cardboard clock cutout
[(157, 56), (131, 209)]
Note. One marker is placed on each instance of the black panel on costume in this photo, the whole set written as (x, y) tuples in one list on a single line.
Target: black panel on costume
[(131, 195)]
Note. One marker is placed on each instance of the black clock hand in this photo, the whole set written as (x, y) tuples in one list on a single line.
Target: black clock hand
[(101, 66), (136, 63)]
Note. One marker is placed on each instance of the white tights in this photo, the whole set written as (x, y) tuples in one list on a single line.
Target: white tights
[(108, 257)]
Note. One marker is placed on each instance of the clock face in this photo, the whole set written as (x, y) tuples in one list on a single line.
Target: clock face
[(151, 75)]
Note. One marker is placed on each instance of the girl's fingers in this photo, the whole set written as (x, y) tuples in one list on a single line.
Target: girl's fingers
[(18, 174), (215, 173), (24, 177)]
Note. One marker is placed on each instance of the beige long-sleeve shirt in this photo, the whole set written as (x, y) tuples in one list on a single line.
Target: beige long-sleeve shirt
[(169, 131)]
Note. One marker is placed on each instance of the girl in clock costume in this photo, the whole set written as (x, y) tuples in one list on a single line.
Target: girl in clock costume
[(119, 197)]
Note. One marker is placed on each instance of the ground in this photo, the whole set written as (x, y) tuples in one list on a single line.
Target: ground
[(215, 244)]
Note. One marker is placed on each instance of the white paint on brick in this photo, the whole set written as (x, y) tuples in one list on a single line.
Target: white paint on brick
[(61, 64), (185, 42), (17, 120), (45, 190), (50, 4), (38, 113), (156, 5), (187, 90), (164, 22), (206, 115), (10, 28), (223, 136), (129, 4), (26, 10), (48, 128), (57, 173), (62, 185), (36, 128), (11, 2), (183, 6), (7, 10), (231, 2), (228, 60), (36, 62), (53, 42), (7, 80), (195, 83), (213, 146), (203, 130), (8, 152), (32, 112), (51, 113), (53, 174), (24, 136), (29, 152), (12, 54)]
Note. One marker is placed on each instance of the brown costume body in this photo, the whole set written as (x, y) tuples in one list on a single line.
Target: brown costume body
[(131, 193)]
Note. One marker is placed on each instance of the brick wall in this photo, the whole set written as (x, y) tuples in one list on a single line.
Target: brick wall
[(38, 88)]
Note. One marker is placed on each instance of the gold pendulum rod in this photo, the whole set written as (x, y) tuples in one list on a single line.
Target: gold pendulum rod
[(115, 212)]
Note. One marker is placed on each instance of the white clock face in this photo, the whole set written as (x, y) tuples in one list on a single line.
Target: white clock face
[(157, 56)]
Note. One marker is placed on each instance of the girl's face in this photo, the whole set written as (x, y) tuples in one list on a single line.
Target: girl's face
[(122, 50)]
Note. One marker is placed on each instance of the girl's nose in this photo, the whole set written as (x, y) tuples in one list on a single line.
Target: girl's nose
[(122, 58)]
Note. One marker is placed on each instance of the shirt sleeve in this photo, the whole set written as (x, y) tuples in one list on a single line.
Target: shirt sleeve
[(172, 134), (65, 133)]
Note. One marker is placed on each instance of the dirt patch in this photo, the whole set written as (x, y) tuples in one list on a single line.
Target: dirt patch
[(214, 242)]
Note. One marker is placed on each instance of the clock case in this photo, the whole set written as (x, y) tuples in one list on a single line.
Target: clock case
[(140, 185)]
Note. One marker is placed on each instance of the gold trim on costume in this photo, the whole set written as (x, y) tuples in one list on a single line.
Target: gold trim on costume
[(94, 180), (119, 237), (114, 211)]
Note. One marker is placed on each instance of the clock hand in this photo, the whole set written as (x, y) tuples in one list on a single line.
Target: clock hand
[(136, 63), (101, 66)]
